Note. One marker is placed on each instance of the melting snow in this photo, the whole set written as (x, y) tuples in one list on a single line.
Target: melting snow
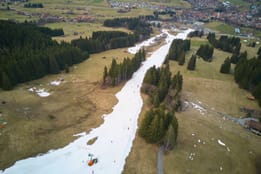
[(55, 83), (41, 91), (221, 143), (199, 108), (191, 156)]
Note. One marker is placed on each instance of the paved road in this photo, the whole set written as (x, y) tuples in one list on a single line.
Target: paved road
[(160, 160)]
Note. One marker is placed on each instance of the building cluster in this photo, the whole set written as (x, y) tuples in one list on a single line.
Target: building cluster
[(204, 11)]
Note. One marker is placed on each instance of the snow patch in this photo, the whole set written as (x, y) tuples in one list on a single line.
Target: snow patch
[(221, 143), (55, 83), (39, 91), (199, 108), (80, 134), (191, 156)]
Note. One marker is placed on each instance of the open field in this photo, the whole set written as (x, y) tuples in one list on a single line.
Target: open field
[(76, 30), (223, 28), (177, 3), (35, 125), (198, 150)]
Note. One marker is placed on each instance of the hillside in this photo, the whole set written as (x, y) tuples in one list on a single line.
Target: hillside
[(47, 111)]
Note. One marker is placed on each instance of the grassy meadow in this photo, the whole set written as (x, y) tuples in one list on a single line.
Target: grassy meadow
[(224, 28)]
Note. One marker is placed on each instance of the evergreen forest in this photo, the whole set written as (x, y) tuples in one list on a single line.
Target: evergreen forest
[(119, 72), (28, 53), (159, 125)]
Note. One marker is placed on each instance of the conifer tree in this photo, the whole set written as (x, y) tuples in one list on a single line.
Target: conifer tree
[(66, 68), (170, 138), (105, 74), (192, 63), (53, 65), (181, 58), (6, 83), (225, 67), (143, 129)]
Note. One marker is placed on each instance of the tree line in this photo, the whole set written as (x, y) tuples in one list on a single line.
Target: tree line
[(26, 54), (119, 72), (159, 125), (177, 50), (248, 75), (33, 5), (139, 25), (225, 43), (196, 33), (104, 40)]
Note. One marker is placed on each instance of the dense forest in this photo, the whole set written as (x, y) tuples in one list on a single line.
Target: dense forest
[(104, 40), (140, 27), (28, 53), (225, 43), (119, 72), (160, 125), (162, 87), (178, 50)]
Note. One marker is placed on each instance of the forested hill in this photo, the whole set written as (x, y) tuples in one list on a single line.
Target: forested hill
[(27, 52), (139, 25)]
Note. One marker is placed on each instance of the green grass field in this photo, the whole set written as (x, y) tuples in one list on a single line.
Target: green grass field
[(229, 29), (76, 30)]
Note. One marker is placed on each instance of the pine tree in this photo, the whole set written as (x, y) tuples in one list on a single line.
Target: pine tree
[(53, 65), (66, 68), (6, 83), (192, 63), (170, 138), (156, 131), (105, 74), (181, 58), (225, 67), (144, 127), (257, 93)]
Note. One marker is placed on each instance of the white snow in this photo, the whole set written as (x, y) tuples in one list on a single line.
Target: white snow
[(40, 91), (191, 156), (80, 134), (148, 42), (115, 135), (55, 83), (221, 143), (199, 108)]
